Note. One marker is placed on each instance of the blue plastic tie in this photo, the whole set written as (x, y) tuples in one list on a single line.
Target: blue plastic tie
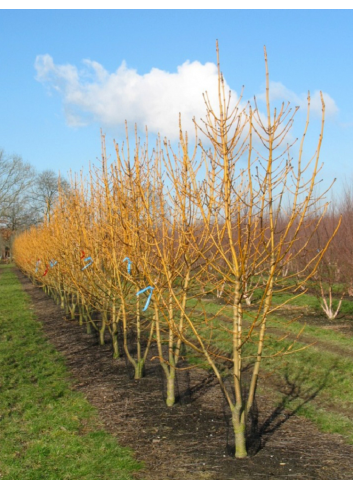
[(128, 264), (149, 297), (89, 264), (52, 264)]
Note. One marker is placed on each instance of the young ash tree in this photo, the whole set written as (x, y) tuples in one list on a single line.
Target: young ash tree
[(253, 233)]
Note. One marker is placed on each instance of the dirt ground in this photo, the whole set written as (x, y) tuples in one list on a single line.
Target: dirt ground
[(193, 439)]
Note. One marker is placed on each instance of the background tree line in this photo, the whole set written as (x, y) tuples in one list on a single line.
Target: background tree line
[(26, 197)]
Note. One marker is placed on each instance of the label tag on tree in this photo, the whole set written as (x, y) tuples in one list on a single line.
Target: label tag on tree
[(149, 297), (89, 264), (128, 264)]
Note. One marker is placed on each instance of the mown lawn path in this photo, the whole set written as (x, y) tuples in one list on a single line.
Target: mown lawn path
[(48, 430)]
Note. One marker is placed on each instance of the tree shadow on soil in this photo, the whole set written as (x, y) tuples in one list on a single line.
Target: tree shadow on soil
[(294, 393), (258, 433)]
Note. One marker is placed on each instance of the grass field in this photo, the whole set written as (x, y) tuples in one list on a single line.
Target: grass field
[(47, 430)]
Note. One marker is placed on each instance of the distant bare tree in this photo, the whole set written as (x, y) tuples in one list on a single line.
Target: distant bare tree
[(24, 196), (335, 273), (45, 191), (15, 179)]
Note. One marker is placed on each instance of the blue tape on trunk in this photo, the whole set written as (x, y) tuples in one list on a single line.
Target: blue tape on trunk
[(149, 297), (89, 264), (128, 264)]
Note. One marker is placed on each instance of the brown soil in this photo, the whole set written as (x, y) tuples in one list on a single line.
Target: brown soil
[(192, 440)]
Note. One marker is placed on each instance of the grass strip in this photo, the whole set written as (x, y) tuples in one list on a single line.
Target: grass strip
[(47, 430), (282, 320)]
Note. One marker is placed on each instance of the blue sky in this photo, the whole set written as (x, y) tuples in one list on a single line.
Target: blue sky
[(67, 73)]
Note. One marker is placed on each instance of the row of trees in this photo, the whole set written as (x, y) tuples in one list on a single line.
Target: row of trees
[(333, 280), (25, 196), (137, 248)]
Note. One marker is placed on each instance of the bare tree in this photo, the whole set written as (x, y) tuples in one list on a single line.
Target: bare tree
[(334, 276), (254, 234), (45, 192), (15, 179)]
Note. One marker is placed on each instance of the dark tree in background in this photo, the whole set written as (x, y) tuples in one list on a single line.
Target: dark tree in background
[(45, 192), (26, 197)]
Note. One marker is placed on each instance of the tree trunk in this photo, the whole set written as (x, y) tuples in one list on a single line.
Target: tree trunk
[(101, 335), (116, 353), (139, 369), (171, 388), (238, 419), (72, 311)]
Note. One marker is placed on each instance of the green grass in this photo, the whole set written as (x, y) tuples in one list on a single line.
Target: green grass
[(313, 302), (320, 386), (304, 300), (282, 321), (47, 430)]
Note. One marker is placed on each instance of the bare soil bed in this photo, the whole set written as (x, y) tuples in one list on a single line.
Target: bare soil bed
[(192, 440)]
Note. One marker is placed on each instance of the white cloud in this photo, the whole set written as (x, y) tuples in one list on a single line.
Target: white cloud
[(154, 99), (278, 92)]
